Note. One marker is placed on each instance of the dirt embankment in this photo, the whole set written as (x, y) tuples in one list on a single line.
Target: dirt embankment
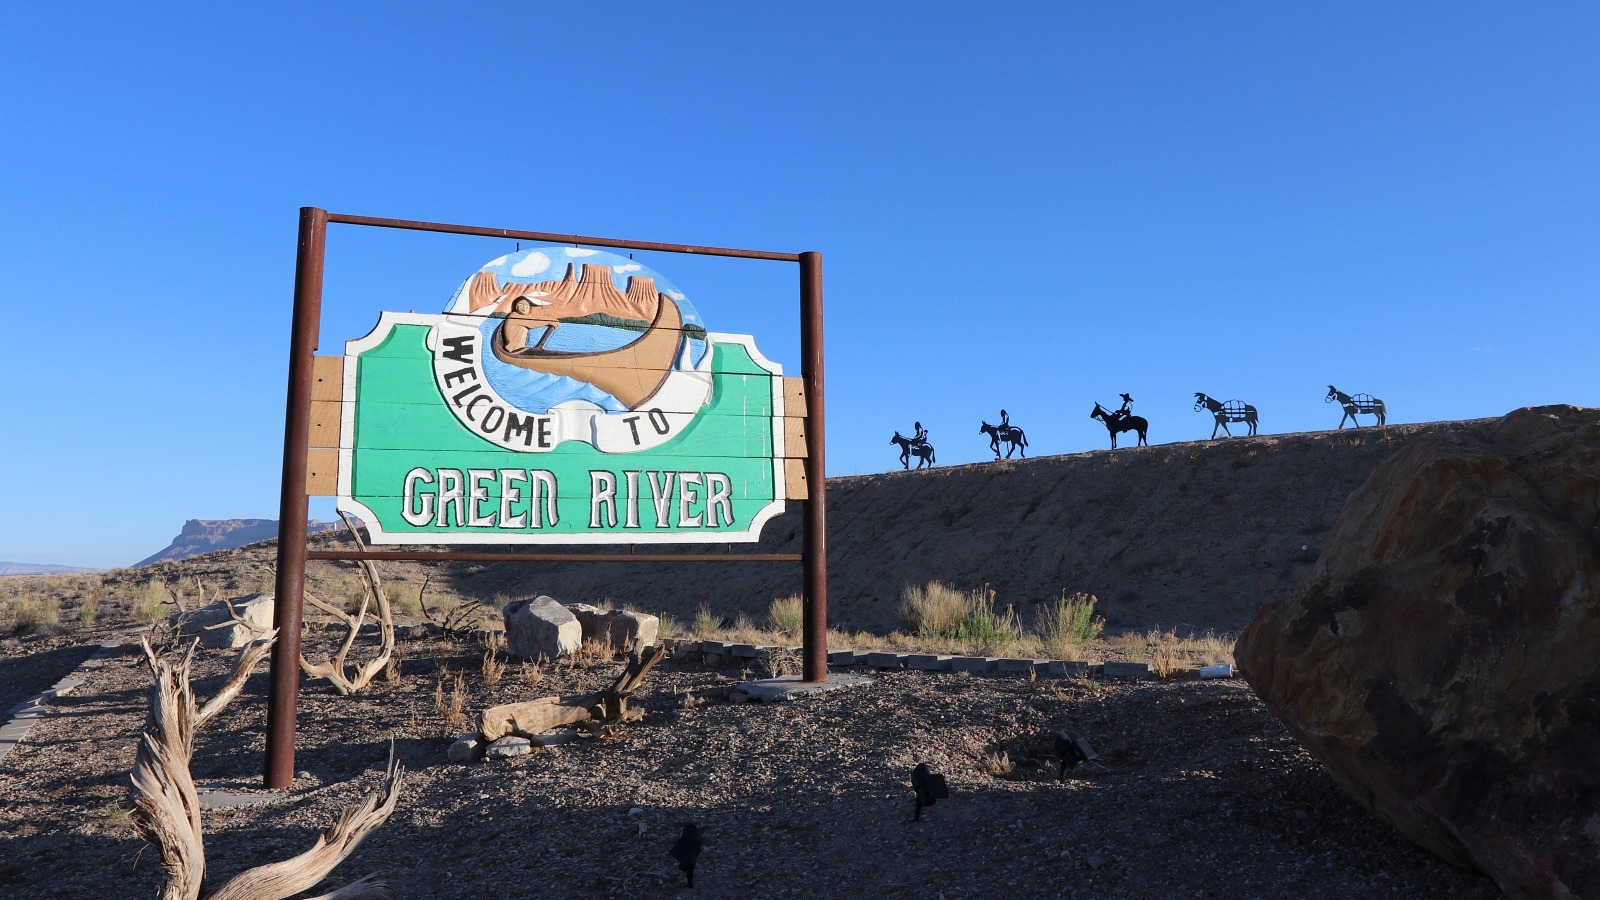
[(1198, 534)]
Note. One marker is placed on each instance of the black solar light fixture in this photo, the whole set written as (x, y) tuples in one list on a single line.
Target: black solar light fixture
[(929, 787), (1072, 751), (687, 850)]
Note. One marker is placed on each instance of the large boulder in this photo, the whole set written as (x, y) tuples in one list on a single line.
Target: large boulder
[(541, 627), (1441, 657), (218, 630), (616, 628)]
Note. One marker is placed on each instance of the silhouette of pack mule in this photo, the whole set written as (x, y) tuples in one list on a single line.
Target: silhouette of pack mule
[(1360, 404), (1011, 434), (1120, 421), (1232, 411), (908, 447)]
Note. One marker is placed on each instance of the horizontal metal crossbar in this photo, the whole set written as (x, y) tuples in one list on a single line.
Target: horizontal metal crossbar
[(508, 233), (511, 556)]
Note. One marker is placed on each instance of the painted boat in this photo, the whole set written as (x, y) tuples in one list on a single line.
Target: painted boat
[(630, 373)]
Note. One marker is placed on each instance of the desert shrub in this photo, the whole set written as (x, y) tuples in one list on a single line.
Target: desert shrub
[(787, 615), (30, 614), (934, 610), (666, 623), (149, 605), (1066, 625), (939, 613), (745, 630), (705, 623), (87, 610)]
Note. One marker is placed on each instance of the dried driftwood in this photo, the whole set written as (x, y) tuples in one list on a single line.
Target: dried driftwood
[(599, 711), (167, 810), (343, 679)]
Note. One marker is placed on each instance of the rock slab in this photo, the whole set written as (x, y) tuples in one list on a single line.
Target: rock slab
[(256, 609), (1439, 659), (541, 627), (507, 747), (616, 628)]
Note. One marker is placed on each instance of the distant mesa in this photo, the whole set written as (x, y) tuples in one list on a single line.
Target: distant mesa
[(570, 298), (210, 535), (11, 568)]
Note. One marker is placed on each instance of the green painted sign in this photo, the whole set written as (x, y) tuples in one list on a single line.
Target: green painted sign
[(564, 396)]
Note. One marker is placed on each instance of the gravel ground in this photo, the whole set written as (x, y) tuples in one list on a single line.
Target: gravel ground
[(1202, 793)]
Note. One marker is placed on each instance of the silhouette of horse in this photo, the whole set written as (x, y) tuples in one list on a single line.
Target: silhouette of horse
[(1360, 404), (924, 451), (1011, 434), (1232, 411), (1118, 422)]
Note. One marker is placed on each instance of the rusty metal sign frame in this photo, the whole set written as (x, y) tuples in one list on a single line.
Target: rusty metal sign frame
[(294, 503)]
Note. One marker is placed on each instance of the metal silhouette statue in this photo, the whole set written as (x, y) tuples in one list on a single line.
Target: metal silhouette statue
[(916, 445), (1005, 431), (1121, 420), (1232, 411), (1360, 404)]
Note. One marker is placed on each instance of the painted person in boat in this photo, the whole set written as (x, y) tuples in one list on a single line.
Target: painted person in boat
[(523, 319)]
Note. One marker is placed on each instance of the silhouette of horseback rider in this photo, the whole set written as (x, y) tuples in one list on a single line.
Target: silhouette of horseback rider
[(1005, 420), (920, 439), (1124, 412)]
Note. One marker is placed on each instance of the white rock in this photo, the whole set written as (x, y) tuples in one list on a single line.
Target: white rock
[(507, 747), (466, 750), (255, 609), (541, 627)]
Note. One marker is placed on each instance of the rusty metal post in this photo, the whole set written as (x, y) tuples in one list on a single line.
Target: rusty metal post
[(284, 696), (814, 666)]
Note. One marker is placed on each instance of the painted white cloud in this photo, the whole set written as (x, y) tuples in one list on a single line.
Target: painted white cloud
[(579, 251), (532, 264), (676, 295), (496, 262), (630, 267)]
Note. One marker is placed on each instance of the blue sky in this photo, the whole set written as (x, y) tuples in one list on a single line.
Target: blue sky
[(1034, 206)]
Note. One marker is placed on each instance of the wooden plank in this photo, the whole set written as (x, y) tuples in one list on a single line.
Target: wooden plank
[(322, 473), (794, 398), (327, 378), (794, 479), (325, 417), (794, 438)]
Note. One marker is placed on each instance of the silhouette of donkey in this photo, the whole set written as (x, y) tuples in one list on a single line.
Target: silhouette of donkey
[(1360, 404), (1232, 411), (1011, 434), (923, 451)]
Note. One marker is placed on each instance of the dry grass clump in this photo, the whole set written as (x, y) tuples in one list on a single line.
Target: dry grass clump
[(1167, 654), (940, 615), (149, 602), (31, 614), (452, 710), (1067, 625), (705, 623), (664, 625), (997, 763), (494, 667), (88, 610), (786, 615)]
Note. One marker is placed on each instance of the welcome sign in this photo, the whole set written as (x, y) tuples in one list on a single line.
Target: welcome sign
[(565, 395)]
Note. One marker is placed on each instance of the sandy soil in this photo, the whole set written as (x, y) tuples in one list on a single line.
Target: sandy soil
[(1202, 793)]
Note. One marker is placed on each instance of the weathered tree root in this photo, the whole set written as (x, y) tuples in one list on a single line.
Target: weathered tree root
[(334, 670), (598, 713), (167, 812)]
